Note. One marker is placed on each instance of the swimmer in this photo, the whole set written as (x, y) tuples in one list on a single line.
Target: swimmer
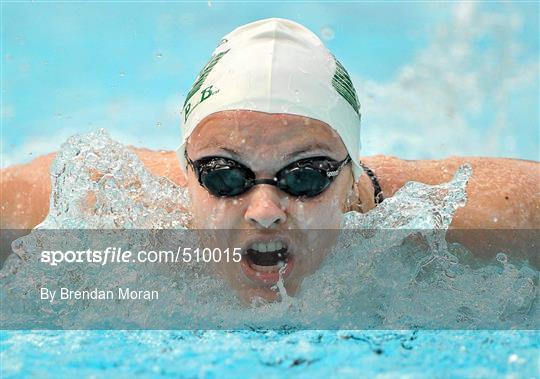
[(271, 142)]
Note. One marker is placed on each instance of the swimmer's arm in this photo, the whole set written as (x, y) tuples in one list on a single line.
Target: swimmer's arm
[(502, 193), (25, 189), (24, 193)]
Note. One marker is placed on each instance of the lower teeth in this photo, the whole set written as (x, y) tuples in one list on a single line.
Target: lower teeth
[(274, 268)]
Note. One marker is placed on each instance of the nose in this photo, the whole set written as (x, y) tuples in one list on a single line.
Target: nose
[(264, 209)]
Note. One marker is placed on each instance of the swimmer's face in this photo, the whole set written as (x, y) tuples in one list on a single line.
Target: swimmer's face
[(270, 219)]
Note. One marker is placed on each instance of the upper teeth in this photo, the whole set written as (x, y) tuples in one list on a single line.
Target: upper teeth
[(267, 247)]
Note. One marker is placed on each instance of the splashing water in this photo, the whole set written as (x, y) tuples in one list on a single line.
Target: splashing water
[(99, 184), (391, 267)]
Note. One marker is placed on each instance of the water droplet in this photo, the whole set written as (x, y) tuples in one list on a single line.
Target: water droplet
[(502, 257), (159, 55), (327, 33), (158, 124), (122, 74), (513, 358)]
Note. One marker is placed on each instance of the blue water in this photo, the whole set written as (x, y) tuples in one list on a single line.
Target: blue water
[(306, 354)]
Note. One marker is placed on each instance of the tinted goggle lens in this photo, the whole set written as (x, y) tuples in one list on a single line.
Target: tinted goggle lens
[(225, 181), (304, 182)]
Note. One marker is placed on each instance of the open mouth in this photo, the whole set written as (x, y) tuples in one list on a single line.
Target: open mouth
[(264, 261)]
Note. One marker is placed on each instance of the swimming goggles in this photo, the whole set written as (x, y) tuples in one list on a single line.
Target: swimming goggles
[(225, 177)]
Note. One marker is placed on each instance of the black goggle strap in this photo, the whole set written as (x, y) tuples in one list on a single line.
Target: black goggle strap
[(190, 162), (336, 168), (194, 166)]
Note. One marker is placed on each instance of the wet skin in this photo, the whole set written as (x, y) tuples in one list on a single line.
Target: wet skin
[(266, 143)]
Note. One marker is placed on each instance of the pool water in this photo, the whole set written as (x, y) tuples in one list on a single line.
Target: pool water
[(270, 354)]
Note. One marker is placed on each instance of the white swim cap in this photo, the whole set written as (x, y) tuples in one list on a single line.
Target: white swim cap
[(275, 65)]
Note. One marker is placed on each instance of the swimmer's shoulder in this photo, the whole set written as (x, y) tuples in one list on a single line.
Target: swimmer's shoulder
[(393, 172), (24, 193), (161, 163), (502, 192), (25, 189)]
